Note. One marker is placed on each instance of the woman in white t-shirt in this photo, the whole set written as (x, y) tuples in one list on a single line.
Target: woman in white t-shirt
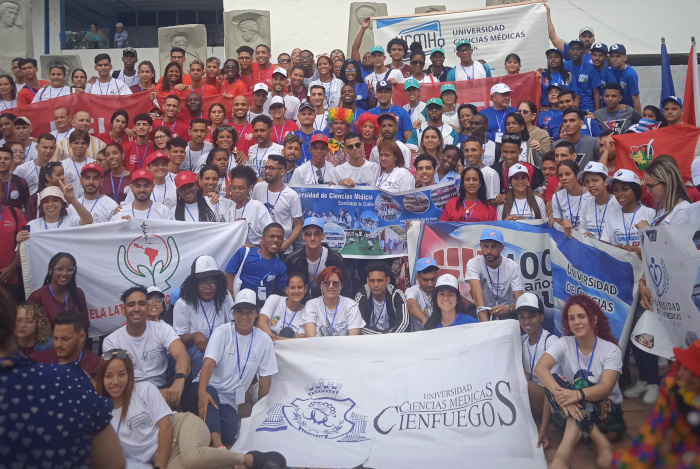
[(211, 185), (192, 206), (331, 314), (521, 203), (52, 210), (141, 416), (281, 316), (601, 207), (330, 84), (584, 396), (393, 177), (566, 204), (254, 212)]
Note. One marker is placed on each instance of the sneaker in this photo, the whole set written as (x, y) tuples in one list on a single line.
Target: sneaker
[(636, 390), (651, 394)]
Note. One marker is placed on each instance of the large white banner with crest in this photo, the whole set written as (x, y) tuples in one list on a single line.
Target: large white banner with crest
[(429, 399), (112, 257)]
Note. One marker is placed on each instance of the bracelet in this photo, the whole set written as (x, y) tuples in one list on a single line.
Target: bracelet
[(510, 308)]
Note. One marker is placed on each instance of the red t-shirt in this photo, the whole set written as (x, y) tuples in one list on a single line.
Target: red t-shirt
[(16, 194), (279, 131), (8, 233), (88, 361), (178, 128), (477, 212), (26, 94), (136, 155), (204, 91), (115, 187), (186, 79), (245, 137), (44, 298), (107, 138), (551, 188), (261, 75), (237, 88), (301, 95)]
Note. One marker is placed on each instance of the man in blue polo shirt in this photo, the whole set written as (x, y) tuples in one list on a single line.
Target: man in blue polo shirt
[(584, 77), (384, 92), (599, 59), (500, 108), (626, 76)]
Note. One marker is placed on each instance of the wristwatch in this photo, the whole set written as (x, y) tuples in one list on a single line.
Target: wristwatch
[(178, 376)]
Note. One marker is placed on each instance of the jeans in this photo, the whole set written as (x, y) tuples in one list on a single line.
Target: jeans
[(223, 420), (196, 360)]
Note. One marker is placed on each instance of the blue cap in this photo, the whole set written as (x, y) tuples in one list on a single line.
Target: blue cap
[(619, 48), (425, 263), (577, 41), (463, 42), (411, 83), (438, 49), (376, 49), (674, 99), (448, 87), (489, 234), (601, 47), (435, 101), (550, 87), (553, 51), (313, 221), (383, 85)]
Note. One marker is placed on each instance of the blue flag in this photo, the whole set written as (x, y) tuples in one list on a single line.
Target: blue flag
[(667, 88)]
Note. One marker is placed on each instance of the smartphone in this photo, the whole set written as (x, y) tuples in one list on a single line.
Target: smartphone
[(26, 228)]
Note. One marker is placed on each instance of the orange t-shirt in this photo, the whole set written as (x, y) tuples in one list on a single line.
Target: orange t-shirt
[(26, 94)]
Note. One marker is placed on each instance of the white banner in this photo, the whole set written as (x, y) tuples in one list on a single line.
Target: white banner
[(672, 267), (112, 257), (430, 399), (493, 32)]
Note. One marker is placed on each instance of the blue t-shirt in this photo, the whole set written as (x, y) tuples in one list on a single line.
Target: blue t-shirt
[(271, 272), (605, 76), (362, 101), (459, 320), (590, 126), (305, 145), (584, 80), (555, 78), (566, 56), (628, 80), (497, 120), (548, 119), (402, 118)]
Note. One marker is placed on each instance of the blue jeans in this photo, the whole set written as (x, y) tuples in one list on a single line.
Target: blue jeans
[(196, 360), (223, 420)]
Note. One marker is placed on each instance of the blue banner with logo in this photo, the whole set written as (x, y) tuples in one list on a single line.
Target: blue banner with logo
[(365, 222)]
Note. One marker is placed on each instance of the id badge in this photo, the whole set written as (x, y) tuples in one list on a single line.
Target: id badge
[(240, 395), (498, 136), (582, 78), (262, 293)]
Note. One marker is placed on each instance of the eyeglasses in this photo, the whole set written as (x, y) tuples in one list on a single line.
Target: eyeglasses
[(313, 234), (331, 283), (160, 137), (417, 62), (651, 186), (115, 353), (271, 168), (285, 61), (353, 146), (522, 111), (350, 70), (306, 57), (69, 270), (319, 174), (207, 283)]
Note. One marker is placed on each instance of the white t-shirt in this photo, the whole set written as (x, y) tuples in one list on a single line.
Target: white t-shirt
[(188, 319), (365, 175), (113, 88), (221, 207), (607, 356), (590, 210), (130, 81), (50, 92), (314, 267), (320, 122), (157, 211), (191, 212), (101, 209), (677, 216), (493, 183), (451, 118), (283, 206), (333, 88), (276, 309), (498, 284), (522, 208), (405, 151), (620, 226), (475, 70), (257, 157), (30, 152), (380, 316), (489, 156), (61, 136), (374, 77), (308, 174), (71, 173), (195, 159), (693, 213), (29, 171), (425, 302), (138, 433), (255, 354), (416, 113), (398, 180), (149, 352), (165, 194), (568, 207), (291, 105), (257, 216), (39, 224), (337, 321), (533, 353)]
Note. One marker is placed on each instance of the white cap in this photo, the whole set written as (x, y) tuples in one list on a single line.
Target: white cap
[(277, 100), (154, 289), (205, 266), (594, 167), (261, 86), (624, 175), (695, 172), (245, 299), (500, 88), (52, 191), (529, 301), (119, 25), (517, 168), (447, 280), (280, 70)]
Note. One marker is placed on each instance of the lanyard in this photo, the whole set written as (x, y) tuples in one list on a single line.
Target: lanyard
[(468, 77), (26, 152), (133, 215), (229, 86), (12, 104), (165, 191), (75, 166), (138, 156), (119, 427), (578, 147), (189, 155), (190, 214), (274, 127), (499, 122), (616, 118), (379, 184), (65, 298), (120, 139), (498, 280), (46, 227), (267, 75), (533, 357), (323, 123), (379, 316), (662, 215), (328, 323), (9, 185), (469, 211), (200, 92), (588, 370), (32, 89), (257, 161), (517, 210), (571, 216), (119, 188), (624, 225), (250, 79), (99, 84), (79, 358), (328, 92), (213, 322), (599, 229), (318, 265), (238, 355), (270, 208), (284, 321), (172, 129), (245, 206), (410, 112), (82, 202)]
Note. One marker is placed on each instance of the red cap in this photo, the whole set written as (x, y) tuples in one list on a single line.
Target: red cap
[(689, 357), (154, 156), (92, 167), (319, 138), (142, 174), (185, 177)]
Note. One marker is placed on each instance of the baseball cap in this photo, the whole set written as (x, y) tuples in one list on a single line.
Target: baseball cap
[(185, 177), (594, 167), (261, 87), (517, 168), (245, 299), (319, 138), (438, 49), (142, 174), (447, 280), (553, 51), (313, 221), (448, 87), (306, 105), (529, 302), (695, 172), (600, 46), (129, 50), (156, 290), (667, 99), (553, 85), (23, 121), (205, 266), (376, 49), (92, 167), (383, 85), (500, 88), (155, 156), (386, 115), (425, 263), (624, 175), (52, 191), (434, 101), (119, 25), (490, 234), (277, 100), (619, 48), (280, 70), (578, 42), (586, 29), (463, 42), (411, 83), (689, 357)]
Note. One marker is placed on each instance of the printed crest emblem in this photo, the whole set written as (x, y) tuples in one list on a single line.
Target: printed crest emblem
[(149, 260), (659, 276), (642, 155)]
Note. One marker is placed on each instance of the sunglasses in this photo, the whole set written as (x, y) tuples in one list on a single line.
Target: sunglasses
[(69, 270), (285, 61), (115, 353), (417, 62), (330, 283), (511, 139), (227, 128), (353, 146)]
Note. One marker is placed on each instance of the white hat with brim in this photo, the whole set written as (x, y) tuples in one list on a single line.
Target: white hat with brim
[(447, 280), (245, 299), (624, 175), (52, 191)]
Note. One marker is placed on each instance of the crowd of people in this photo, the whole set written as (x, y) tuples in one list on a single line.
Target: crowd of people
[(179, 376)]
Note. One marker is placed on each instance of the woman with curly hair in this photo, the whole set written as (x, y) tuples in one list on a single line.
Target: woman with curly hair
[(584, 395), (368, 128), (32, 329), (339, 124)]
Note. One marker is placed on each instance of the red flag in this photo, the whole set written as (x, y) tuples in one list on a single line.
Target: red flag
[(635, 151), (691, 99)]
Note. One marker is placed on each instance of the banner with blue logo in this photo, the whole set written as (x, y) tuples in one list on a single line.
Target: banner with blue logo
[(493, 33), (365, 222)]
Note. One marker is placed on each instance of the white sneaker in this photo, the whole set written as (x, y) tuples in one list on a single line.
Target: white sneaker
[(651, 394), (636, 390)]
